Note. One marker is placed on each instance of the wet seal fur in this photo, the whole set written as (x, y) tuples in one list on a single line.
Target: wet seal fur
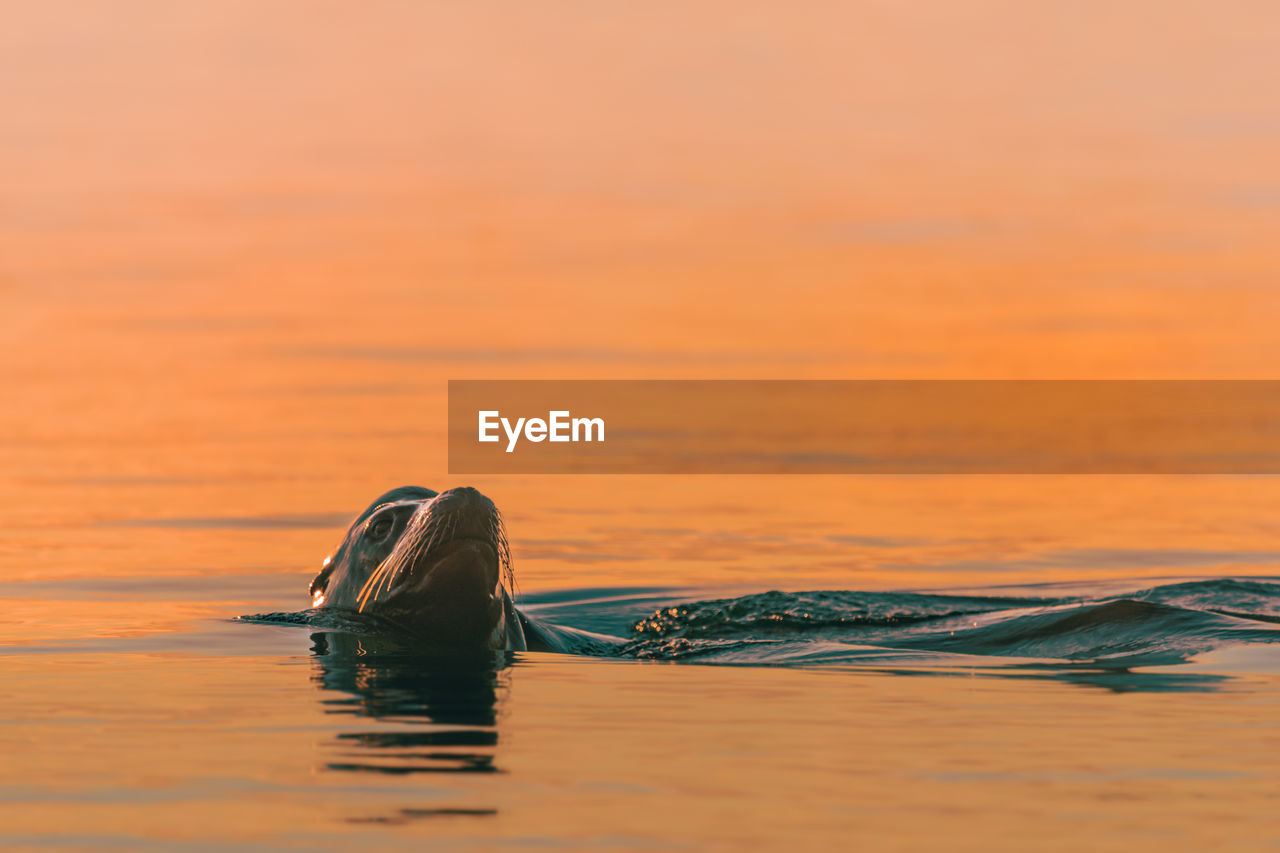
[(436, 566)]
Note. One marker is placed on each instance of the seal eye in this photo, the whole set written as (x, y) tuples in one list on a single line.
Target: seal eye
[(380, 528)]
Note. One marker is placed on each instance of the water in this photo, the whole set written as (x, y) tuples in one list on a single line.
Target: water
[(1163, 625), (242, 250), (1151, 711)]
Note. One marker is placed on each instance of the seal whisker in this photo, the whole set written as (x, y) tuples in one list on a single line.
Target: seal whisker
[(401, 554), (498, 532), (425, 525), (370, 589), (376, 583), (399, 557), (430, 533), (363, 596), (385, 574)]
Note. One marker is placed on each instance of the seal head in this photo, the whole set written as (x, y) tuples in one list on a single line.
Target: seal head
[(435, 564)]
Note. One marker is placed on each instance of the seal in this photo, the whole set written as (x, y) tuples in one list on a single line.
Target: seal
[(437, 567), (435, 564)]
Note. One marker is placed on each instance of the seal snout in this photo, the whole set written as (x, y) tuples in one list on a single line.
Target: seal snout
[(464, 513), (461, 500), (453, 546), (464, 573)]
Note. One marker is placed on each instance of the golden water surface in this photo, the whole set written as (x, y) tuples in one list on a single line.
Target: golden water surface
[(243, 247)]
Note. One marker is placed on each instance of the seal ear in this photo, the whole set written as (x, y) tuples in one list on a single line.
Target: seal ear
[(321, 580)]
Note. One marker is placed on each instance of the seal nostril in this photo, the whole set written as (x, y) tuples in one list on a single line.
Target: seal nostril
[(461, 496)]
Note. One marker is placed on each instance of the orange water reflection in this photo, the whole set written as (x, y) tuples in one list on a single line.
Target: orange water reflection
[(244, 245), (237, 268)]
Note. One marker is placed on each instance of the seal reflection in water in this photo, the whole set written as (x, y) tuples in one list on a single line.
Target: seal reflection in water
[(444, 709), (433, 564)]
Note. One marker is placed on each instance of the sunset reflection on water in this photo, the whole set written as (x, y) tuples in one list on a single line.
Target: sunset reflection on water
[(243, 248)]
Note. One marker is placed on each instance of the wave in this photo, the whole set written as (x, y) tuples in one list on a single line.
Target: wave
[(1160, 625), (783, 612)]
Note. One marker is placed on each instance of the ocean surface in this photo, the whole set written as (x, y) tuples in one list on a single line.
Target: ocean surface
[(766, 719), (245, 245)]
